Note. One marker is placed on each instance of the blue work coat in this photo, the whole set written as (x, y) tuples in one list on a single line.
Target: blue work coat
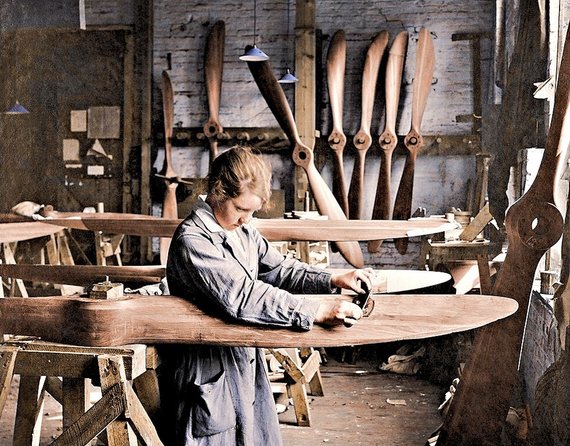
[(222, 395)]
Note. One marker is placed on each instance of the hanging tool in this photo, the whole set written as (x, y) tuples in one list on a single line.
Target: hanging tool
[(388, 139), (363, 139), (302, 155), (213, 69), (169, 205), (336, 61), (425, 63)]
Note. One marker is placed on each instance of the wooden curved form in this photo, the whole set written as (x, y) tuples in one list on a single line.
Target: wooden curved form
[(83, 275), (274, 229), (363, 139), (481, 403), (302, 155), (26, 230), (169, 319), (213, 71), (425, 64), (388, 139), (336, 63)]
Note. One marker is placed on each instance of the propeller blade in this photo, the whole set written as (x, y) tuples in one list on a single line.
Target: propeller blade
[(533, 224), (302, 155), (425, 64), (169, 205), (363, 139), (336, 62), (213, 69), (388, 140)]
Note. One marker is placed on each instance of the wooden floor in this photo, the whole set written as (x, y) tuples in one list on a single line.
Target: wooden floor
[(358, 409), (355, 410)]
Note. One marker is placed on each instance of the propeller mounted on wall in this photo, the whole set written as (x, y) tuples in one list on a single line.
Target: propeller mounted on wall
[(336, 62), (363, 139), (425, 64), (302, 155)]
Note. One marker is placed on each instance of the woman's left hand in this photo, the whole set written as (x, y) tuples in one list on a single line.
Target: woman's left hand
[(352, 279)]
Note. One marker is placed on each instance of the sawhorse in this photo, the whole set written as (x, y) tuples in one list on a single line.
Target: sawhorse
[(65, 372)]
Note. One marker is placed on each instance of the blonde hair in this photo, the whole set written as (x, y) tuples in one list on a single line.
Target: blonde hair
[(236, 170)]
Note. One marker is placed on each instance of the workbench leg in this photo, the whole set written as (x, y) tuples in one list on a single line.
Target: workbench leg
[(7, 361), (484, 274), (112, 372), (75, 399), (298, 393), (27, 428), (147, 389)]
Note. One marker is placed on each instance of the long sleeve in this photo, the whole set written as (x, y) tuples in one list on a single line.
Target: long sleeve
[(203, 267)]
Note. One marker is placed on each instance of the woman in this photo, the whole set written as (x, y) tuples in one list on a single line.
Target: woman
[(222, 394)]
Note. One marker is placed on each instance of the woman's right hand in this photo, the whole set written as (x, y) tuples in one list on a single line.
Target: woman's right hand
[(338, 312)]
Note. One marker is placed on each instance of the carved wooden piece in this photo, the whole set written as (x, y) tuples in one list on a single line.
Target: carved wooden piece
[(336, 62), (533, 224), (363, 140), (168, 319), (213, 70), (302, 155), (274, 229), (425, 64), (388, 139), (169, 205)]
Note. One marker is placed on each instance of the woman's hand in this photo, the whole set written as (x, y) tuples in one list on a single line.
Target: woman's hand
[(351, 279), (338, 312)]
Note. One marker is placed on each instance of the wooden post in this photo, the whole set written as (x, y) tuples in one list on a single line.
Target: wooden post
[(305, 96)]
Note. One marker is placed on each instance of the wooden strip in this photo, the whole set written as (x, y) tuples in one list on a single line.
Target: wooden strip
[(168, 319), (92, 422), (7, 361)]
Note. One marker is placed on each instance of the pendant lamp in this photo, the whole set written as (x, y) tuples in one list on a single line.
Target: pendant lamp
[(16, 109), (252, 53), (288, 77)]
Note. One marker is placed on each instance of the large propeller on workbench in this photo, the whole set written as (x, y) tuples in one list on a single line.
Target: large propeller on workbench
[(213, 70), (336, 63), (425, 64), (388, 139), (302, 155), (363, 139), (169, 205)]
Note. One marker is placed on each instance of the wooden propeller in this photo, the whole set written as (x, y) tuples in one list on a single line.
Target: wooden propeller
[(273, 229), (363, 140), (213, 69), (388, 139), (425, 63), (302, 155), (533, 225), (336, 62), (169, 205)]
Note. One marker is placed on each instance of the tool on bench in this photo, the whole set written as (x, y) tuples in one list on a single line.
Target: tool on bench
[(364, 301)]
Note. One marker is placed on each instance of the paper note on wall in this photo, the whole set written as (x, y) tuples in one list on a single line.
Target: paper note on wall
[(78, 120), (71, 150), (104, 122), (95, 170)]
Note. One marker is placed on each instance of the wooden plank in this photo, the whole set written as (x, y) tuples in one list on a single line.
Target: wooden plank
[(111, 373), (76, 399), (168, 319), (28, 411), (7, 362), (92, 422), (75, 362)]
